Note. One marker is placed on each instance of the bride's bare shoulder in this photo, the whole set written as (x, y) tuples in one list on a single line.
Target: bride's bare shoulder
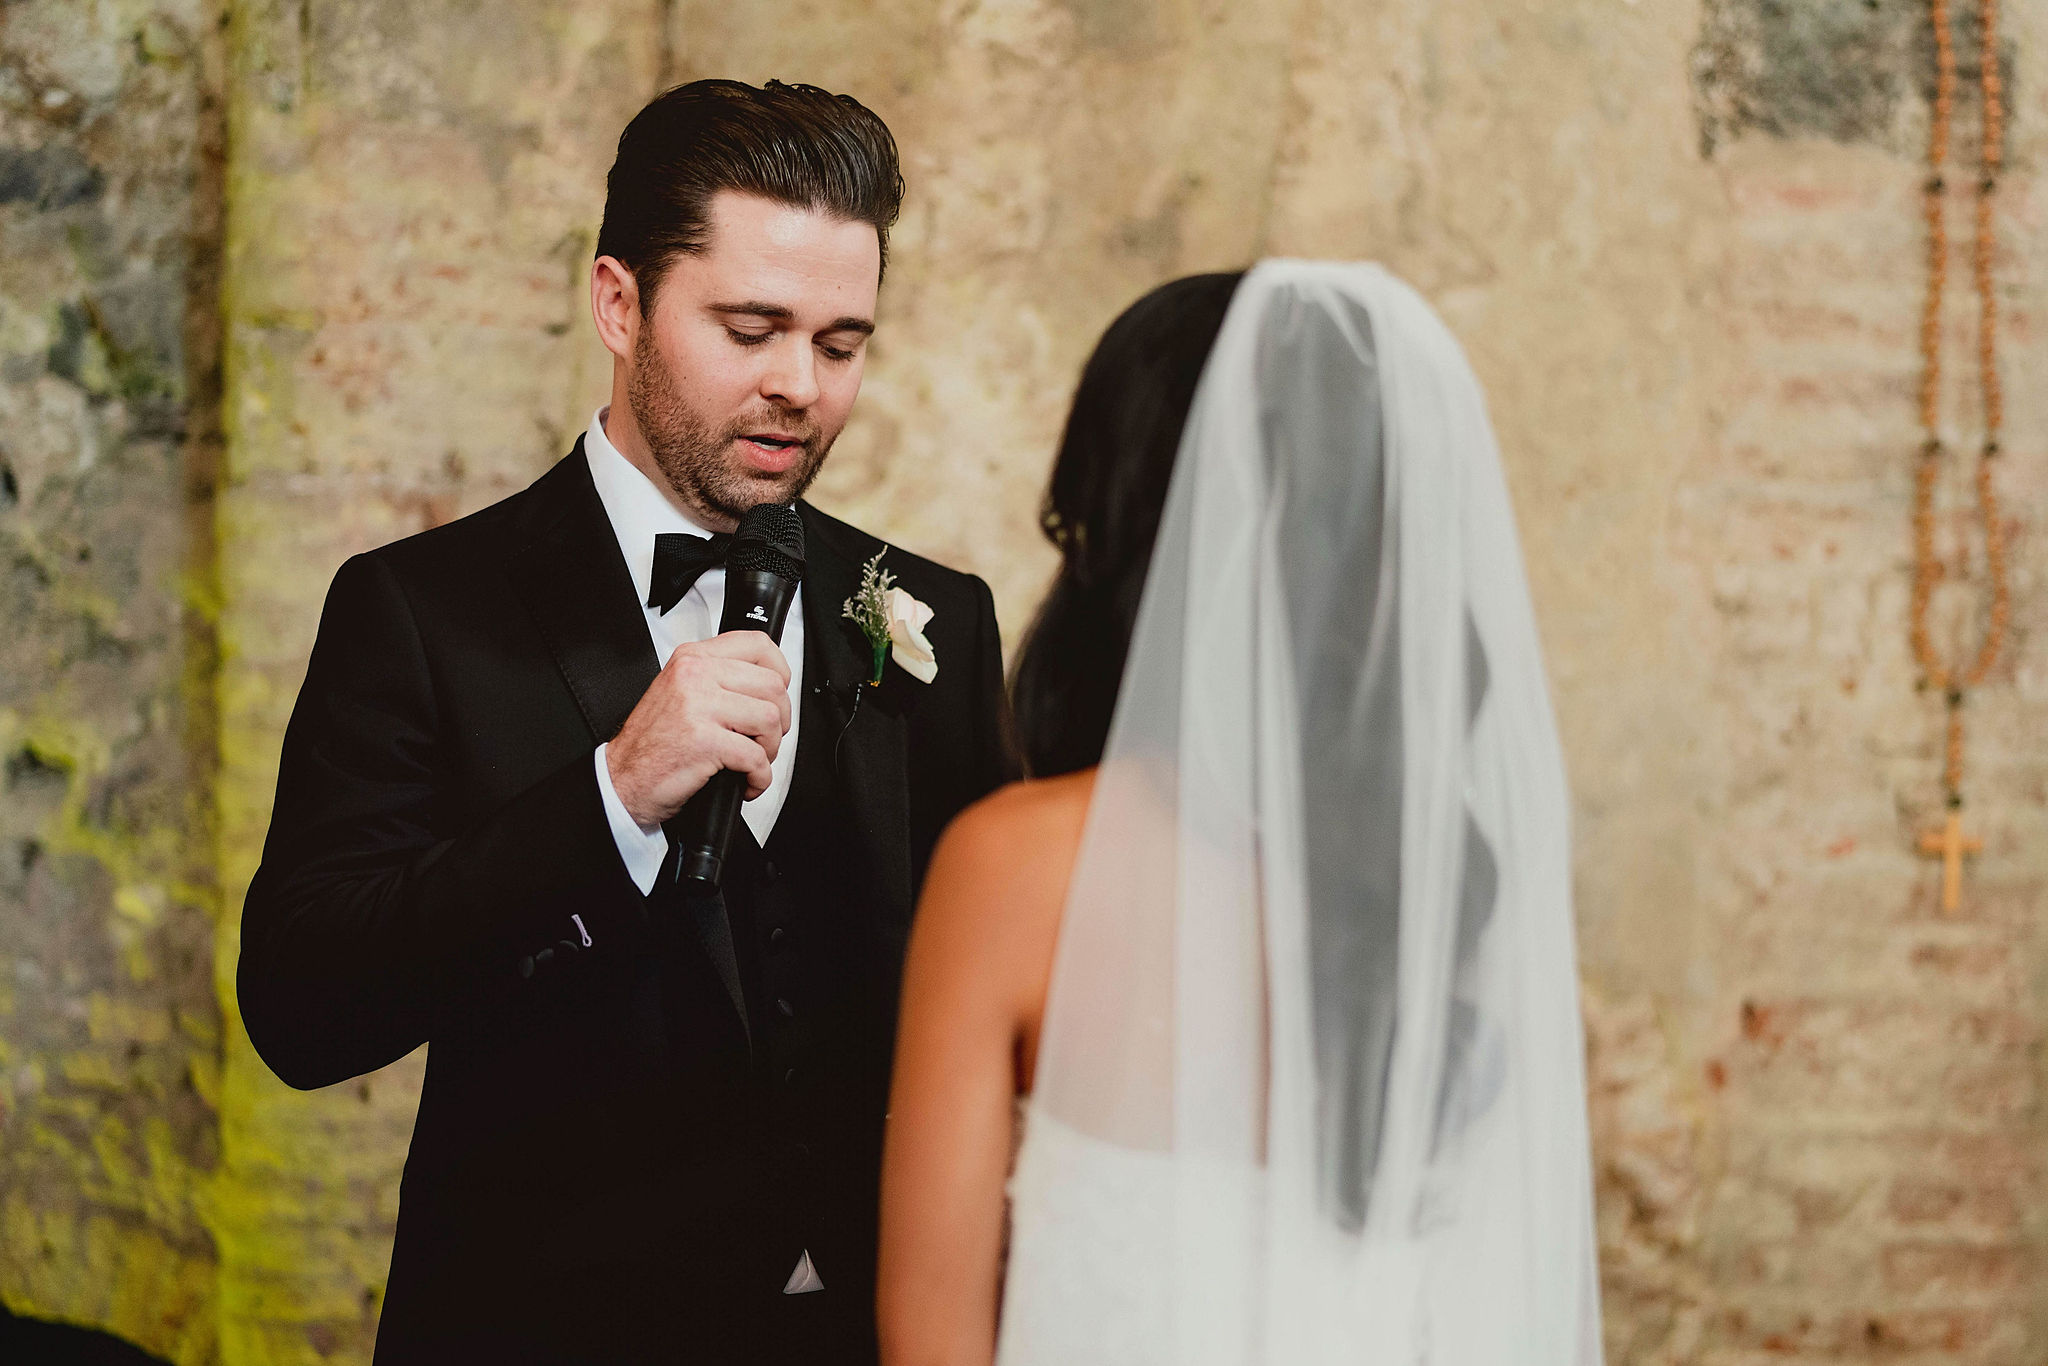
[(999, 875), (1017, 842)]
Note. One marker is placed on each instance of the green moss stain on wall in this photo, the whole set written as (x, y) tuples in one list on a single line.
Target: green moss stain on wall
[(110, 1069)]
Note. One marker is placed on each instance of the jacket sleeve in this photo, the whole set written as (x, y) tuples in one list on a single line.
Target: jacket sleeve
[(997, 758), (363, 925)]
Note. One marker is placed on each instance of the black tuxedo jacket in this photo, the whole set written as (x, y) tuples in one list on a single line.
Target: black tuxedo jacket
[(614, 1160)]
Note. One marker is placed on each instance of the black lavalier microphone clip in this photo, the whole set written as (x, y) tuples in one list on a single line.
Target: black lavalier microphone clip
[(762, 571)]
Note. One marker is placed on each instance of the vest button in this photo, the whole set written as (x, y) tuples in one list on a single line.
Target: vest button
[(782, 1004), (789, 1077), (772, 871), (778, 939)]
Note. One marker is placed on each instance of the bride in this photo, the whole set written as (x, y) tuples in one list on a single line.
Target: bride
[(1277, 943)]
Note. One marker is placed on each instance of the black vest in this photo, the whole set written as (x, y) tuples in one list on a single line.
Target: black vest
[(793, 1125)]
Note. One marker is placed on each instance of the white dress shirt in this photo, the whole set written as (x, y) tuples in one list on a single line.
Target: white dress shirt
[(638, 513)]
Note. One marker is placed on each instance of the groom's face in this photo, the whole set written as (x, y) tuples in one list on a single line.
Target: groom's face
[(746, 365)]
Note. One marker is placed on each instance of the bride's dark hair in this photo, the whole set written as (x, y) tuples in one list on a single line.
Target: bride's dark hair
[(1101, 509)]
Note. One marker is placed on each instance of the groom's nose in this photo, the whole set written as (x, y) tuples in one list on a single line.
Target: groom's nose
[(792, 375)]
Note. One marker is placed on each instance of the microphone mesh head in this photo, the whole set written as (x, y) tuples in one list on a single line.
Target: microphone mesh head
[(771, 538)]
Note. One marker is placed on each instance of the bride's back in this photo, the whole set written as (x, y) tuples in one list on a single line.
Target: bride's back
[(981, 953), (1286, 963), (998, 893)]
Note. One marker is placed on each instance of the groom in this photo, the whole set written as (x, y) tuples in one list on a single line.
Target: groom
[(651, 1126)]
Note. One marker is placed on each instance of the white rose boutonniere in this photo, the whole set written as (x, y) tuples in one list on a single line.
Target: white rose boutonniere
[(907, 619), (893, 621)]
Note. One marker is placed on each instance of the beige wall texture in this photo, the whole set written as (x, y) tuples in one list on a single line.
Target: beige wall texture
[(1679, 240)]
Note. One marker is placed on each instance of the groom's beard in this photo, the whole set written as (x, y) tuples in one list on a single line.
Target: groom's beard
[(698, 460)]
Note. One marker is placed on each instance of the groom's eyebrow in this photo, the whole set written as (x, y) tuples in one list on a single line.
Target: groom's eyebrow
[(754, 308)]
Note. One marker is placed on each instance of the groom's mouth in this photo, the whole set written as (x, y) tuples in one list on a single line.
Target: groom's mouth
[(771, 452)]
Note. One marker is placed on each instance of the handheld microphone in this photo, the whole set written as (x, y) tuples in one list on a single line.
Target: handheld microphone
[(762, 571)]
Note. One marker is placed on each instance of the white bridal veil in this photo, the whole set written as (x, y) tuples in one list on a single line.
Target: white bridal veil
[(1310, 1086)]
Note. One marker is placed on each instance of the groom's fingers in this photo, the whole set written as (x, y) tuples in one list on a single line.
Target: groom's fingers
[(739, 661), (753, 681), (743, 754), (719, 704), (765, 722), (749, 647)]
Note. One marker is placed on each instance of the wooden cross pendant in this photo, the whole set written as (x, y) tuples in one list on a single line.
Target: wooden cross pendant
[(1949, 844)]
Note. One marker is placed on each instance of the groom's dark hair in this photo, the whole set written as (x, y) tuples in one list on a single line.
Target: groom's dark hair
[(793, 143)]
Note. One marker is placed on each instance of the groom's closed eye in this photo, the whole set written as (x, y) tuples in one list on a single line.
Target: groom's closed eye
[(753, 322), (839, 351)]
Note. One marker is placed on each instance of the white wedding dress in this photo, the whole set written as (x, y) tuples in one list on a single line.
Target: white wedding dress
[(1310, 1086)]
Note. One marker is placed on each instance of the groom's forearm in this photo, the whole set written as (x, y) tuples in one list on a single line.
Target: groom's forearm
[(365, 930), (354, 957)]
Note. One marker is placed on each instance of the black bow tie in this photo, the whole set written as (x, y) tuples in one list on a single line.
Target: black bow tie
[(679, 561)]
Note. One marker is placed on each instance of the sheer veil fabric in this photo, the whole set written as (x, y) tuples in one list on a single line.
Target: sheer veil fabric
[(1310, 1086)]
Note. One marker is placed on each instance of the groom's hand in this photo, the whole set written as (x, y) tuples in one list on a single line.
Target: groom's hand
[(720, 703)]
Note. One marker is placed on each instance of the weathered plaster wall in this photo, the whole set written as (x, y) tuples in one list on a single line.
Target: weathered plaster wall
[(109, 1030), (1681, 244)]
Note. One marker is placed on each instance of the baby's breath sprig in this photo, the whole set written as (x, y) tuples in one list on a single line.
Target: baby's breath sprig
[(868, 609)]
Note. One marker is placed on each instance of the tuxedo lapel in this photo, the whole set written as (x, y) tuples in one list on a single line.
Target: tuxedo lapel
[(581, 595), (867, 750)]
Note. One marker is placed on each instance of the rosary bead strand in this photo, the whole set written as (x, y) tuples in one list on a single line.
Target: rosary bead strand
[(1955, 681)]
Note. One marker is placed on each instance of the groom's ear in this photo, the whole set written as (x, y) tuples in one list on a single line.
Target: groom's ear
[(615, 305)]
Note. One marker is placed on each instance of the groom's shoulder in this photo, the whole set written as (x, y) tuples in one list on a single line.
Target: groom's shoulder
[(490, 532), (857, 547)]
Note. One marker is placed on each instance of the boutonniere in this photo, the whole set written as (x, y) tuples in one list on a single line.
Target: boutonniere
[(893, 621)]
